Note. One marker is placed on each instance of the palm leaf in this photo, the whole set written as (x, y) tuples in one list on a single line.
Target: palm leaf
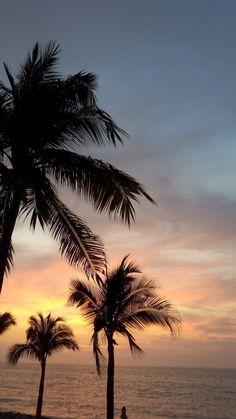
[(98, 355), (58, 345), (6, 321), (18, 351), (77, 242), (134, 347), (81, 293), (109, 189), (153, 312), (5, 205), (39, 66)]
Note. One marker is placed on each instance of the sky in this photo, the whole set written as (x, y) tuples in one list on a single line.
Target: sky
[(167, 75)]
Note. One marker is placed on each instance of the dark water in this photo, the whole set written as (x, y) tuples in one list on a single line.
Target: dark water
[(76, 392)]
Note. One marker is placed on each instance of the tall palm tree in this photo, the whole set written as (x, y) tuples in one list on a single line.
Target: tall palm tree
[(122, 303), (44, 337), (6, 321), (44, 118)]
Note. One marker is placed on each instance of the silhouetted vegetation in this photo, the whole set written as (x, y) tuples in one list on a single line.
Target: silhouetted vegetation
[(6, 321), (43, 116), (44, 337), (124, 302)]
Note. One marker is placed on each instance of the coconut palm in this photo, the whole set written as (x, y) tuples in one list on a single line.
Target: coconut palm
[(44, 118), (6, 321), (44, 337), (124, 302)]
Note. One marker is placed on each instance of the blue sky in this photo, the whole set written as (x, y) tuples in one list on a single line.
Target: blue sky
[(167, 74)]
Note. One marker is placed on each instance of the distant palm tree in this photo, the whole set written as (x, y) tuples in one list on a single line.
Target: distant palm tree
[(44, 337), (121, 304), (6, 321), (44, 118)]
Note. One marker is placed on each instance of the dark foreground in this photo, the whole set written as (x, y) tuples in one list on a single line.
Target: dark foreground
[(18, 415)]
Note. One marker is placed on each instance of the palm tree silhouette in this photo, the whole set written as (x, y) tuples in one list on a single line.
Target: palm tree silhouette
[(44, 337), (44, 118), (121, 304), (6, 321)]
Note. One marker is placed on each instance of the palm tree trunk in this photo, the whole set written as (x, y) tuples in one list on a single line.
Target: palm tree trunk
[(110, 380), (41, 390), (7, 230)]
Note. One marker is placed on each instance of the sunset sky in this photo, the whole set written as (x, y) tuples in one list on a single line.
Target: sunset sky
[(167, 75)]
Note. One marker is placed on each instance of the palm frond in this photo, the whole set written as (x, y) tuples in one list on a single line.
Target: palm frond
[(79, 90), (134, 347), (153, 311), (59, 344), (81, 293), (18, 351), (95, 125), (109, 189), (9, 261), (139, 292), (38, 196), (98, 355), (6, 321), (6, 106), (127, 268), (39, 66), (10, 77), (77, 242), (84, 297), (5, 214)]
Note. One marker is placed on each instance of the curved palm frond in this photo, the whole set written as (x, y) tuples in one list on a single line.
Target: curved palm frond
[(39, 66), (152, 314), (134, 347), (127, 268), (84, 297), (77, 241), (5, 203), (59, 344), (38, 195), (109, 189), (9, 261), (99, 357), (93, 125), (82, 294), (25, 350), (80, 89), (6, 321)]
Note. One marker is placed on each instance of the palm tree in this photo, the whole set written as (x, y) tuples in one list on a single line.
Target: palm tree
[(44, 118), (121, 304), (44, 337), (6, 321)]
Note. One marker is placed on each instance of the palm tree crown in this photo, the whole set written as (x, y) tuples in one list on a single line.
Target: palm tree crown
[(44, 337), (122, 304), (44, 118), (6, 321)]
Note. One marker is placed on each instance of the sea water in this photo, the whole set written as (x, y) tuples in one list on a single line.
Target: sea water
[(73, 391)]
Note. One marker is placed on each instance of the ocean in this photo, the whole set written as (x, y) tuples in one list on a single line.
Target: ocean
[(76, 392)]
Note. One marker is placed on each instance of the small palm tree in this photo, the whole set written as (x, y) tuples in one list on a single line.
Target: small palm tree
[(44, 337), (6, 321), (121, 304), (44, 120)]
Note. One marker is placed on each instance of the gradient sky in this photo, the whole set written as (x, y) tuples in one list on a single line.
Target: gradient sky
[(167, 75)]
